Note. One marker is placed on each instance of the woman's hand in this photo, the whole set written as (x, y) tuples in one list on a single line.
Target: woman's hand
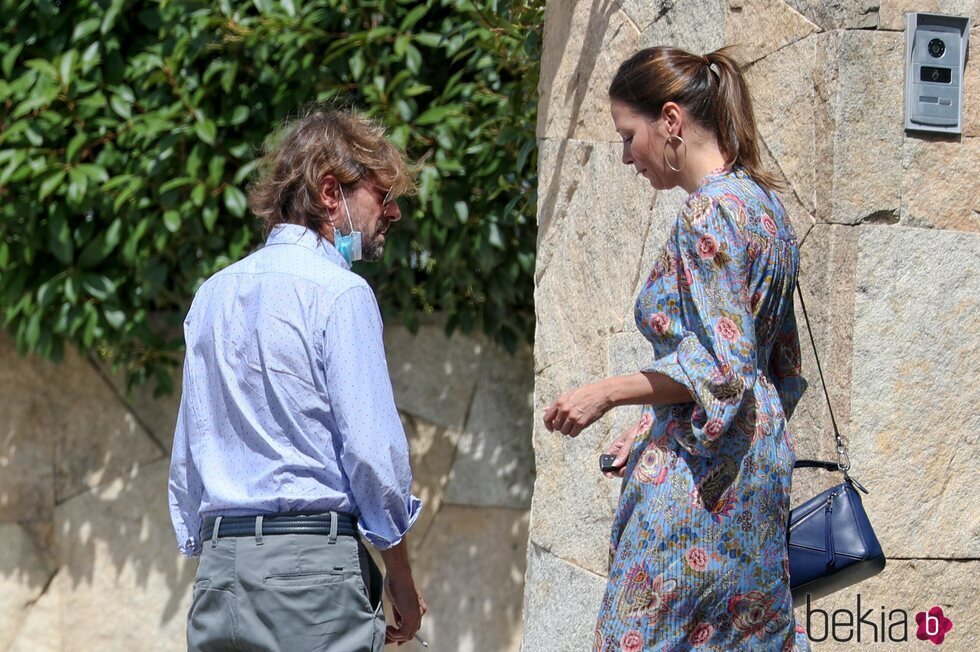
[(621, 448), (578, 409)]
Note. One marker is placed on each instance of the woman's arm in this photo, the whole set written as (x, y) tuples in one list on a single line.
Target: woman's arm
[(579, 408)]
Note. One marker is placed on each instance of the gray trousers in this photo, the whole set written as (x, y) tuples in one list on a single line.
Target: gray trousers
[(286, 592)]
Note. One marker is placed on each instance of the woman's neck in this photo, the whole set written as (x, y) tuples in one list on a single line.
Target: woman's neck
[(701, 162)]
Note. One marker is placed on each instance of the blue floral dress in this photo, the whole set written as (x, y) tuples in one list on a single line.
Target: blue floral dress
[(698, 548)]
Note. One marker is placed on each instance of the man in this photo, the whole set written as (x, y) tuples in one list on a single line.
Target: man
[(288, 446)]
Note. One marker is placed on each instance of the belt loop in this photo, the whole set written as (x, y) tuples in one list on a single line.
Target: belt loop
[(258, 530), (333, 527), (214, 534)]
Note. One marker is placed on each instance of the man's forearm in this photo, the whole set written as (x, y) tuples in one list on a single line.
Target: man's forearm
[(396, 560)]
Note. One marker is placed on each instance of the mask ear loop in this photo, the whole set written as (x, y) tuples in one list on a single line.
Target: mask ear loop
[(346, 208)]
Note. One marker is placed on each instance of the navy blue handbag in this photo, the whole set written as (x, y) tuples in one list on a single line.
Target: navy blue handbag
[(831, 542)]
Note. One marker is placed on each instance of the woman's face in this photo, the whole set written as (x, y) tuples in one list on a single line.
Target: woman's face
[(643, 144)]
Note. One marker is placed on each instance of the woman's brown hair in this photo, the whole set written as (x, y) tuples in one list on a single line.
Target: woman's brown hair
[(323, 141), (711, 88)]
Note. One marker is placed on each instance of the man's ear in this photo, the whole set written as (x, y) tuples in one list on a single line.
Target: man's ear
[(329, 194)]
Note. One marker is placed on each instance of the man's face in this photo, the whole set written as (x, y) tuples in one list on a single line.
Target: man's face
[(372, 210)]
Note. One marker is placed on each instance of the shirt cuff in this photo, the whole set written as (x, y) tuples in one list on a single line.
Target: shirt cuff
[(395, 536)]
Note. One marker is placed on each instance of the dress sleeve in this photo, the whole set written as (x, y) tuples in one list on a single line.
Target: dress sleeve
[(784, 364), (374, 451), (716, 356)]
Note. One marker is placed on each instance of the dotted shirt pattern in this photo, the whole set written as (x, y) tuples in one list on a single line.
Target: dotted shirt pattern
[(287, 403)]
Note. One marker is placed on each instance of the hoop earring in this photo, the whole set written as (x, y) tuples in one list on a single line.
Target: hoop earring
[(669, 140)]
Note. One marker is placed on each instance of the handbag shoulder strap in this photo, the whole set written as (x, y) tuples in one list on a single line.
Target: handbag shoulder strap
[(843, 461)]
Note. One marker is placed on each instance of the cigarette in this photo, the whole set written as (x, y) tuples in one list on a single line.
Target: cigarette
[(421, 640)]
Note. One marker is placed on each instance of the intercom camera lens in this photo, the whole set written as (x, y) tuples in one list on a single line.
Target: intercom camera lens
[(937, 48)]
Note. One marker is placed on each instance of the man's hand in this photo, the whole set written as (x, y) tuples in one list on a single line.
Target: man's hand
[(407, 604)]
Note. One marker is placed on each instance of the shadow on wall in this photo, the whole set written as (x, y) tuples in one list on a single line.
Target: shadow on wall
[(560, 31), (88, 560)]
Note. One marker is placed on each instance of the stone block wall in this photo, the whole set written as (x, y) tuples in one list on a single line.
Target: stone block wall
[(87, 555), (889, 223)]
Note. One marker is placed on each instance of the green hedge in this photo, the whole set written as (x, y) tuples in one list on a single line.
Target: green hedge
[(129, 129)]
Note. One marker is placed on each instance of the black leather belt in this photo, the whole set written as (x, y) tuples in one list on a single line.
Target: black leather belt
[(272, 524)]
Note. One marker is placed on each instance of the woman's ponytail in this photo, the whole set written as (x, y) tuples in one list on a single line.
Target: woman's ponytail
[(734, 119)]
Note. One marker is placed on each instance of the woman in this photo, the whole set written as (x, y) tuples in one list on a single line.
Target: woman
[(698, 548)]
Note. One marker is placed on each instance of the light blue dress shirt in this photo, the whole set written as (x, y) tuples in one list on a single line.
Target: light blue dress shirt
[(287, 403)]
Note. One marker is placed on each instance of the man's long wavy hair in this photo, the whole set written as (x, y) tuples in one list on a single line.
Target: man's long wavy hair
[(302, 151)]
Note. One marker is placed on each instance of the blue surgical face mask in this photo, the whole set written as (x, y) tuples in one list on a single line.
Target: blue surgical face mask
[(348, 245)]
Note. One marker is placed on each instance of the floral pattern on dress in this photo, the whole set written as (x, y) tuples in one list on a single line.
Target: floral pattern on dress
[(698, 555)]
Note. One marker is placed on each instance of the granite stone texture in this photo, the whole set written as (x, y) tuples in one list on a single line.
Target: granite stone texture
[(99, 438), (762, 27), (432, 449), (573, 503), (584, 43), (695, 25), (568, 598), (26, 458), (839, 14), (121, 585), (971, 83), (859, 162), (25, 571), (950, 200), (782, 89), (494, 463), (913, 402), (471, 573), (433, 376), (587, 227)]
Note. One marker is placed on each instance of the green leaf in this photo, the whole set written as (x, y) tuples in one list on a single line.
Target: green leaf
[(97, 285), (206, 131), (48, 185), (115, 317), (74, 145), (59, 239), (209, 216), (43, 67), (121, 106), (290, 8), (199, 194), (10, 58), (66, 66), (235, 201), (462, 211), (84, 28), (171, 220), (176, 183), (435, 115), (90, 57), (239, 115), (111, 16), (413, 17), (77, 185)]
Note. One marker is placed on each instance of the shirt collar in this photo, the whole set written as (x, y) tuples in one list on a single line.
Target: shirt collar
[(296, 234)]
